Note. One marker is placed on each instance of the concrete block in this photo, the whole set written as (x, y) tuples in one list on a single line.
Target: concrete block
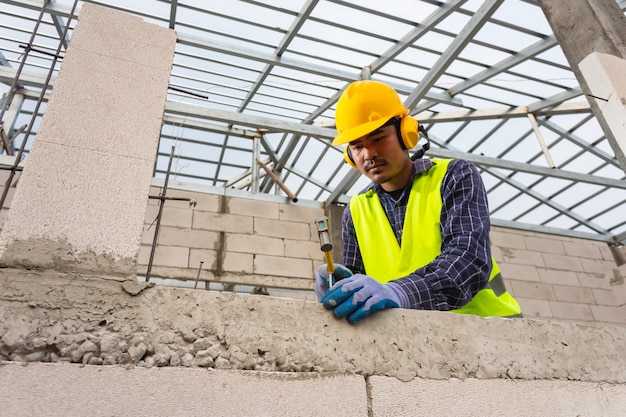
[(553, 276), (223, 222), (206, 256), (282, 228), (546, 244), (304, 249), (203, 201), (522, 256), (255, 244), (593, 280), (531, 290), (507, 239), (597, 266), (610, 314), (75, 201), (574, 294), (562, 262), (107, 20), (252, 208), (288, 267), (605, 74), (571, 311), (534, 308), (171, 256), (238, 262), (615, 296), (175, 391), (422, 397), (170, 216), (518, 272), (189, 238), (296, 212), (582, 249)]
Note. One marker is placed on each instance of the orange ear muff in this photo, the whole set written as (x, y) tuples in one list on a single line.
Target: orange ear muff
[(409, 135), (348, 157)]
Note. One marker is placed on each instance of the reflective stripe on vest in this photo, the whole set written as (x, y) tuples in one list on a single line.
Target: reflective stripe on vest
[(385, 260)]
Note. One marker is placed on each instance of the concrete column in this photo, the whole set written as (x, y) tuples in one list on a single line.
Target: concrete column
[(81, 199), (587, 26)]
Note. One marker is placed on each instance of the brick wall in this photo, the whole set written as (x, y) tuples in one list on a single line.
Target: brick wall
[(267, 241), (260, 242), (555, 277)]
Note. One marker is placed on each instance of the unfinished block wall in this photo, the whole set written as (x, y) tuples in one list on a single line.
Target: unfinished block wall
[(271, 242), (219, 237)]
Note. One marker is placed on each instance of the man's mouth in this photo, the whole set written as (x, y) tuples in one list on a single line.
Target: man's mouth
[(373, 166)]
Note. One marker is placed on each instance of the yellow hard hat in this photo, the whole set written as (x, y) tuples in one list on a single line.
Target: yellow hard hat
[(364, 107)]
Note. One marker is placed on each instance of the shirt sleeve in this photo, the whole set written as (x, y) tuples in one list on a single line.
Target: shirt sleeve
[(462, 269)]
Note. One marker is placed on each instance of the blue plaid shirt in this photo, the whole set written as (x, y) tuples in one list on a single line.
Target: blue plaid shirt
[(463, 267)]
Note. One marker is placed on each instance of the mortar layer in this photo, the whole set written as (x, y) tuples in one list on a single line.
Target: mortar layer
[(57, 317)]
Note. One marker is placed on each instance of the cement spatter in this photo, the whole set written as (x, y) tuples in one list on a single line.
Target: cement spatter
[(56, 317)]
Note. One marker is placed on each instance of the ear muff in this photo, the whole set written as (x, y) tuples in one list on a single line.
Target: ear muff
[(348, 157), (408, 134)]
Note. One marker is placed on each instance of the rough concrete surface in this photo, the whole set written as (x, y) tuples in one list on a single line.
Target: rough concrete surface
[(56, 317)]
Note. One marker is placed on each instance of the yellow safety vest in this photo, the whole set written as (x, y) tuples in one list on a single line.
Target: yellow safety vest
[(385, 260)]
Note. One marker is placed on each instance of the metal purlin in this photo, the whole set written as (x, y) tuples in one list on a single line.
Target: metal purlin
[(14, 168)]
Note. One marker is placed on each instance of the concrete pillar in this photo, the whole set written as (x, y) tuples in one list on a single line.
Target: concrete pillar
[(587, 26), (81, 199)]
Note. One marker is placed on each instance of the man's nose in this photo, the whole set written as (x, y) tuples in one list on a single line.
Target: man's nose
[(369, 152)]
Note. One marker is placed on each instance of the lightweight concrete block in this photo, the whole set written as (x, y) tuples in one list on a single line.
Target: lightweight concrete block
[(571, 311), (174, 392), (207, 257), (295, 212), (605, 75), (596, 266), (545, 244), (553, 276), (255, 244), (534, 307), (574, 294), (171, 256), (170, 216), (507, 239), (71, 211), (223, 222), (79, 201), (610, 314), (531, 290), (522, 256), (518, 272), (563, 262), (507, 397), (582, 250), (282, 228), (304, 249), (189, 238), (616, 296), (252, 208), (289, 267), (239, 263)]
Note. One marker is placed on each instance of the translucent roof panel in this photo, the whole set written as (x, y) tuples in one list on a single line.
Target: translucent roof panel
[(260, 80)]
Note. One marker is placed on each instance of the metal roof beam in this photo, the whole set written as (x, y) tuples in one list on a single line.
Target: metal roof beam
[(445, 60)]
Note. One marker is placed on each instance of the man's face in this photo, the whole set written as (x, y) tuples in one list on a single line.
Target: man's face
[(380, 157)]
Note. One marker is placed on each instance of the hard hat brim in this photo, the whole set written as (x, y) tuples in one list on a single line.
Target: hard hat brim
[(362, 130)]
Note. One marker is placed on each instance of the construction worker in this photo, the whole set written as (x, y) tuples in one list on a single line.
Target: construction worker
[(417, 236)]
